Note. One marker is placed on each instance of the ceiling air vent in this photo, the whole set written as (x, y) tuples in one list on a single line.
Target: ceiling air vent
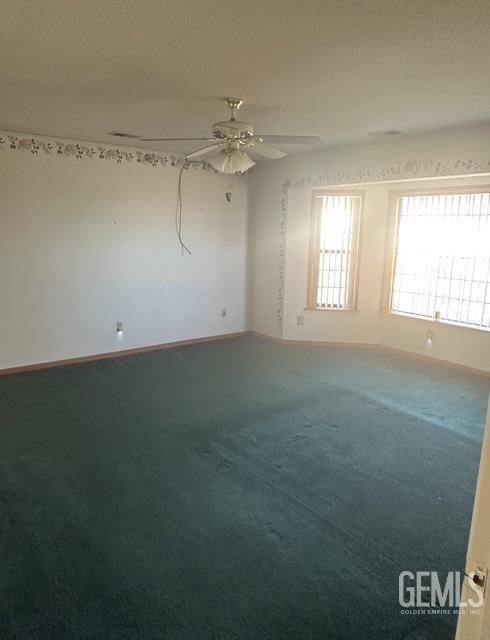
[(120, 134), (381, 134)]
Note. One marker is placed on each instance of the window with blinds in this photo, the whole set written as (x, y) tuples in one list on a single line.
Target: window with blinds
[(441, 265), (334, 248)]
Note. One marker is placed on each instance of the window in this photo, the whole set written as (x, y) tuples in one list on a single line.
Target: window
[(442, 257), (334, 248)]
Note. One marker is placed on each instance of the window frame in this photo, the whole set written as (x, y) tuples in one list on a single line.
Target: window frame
[(314, 250), (392, 242)]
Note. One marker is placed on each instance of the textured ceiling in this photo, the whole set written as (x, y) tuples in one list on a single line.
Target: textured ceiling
[(340, 69)]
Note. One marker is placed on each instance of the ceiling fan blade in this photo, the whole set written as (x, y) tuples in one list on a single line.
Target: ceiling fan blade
[(175, 139), (203, 151), (305, 140), (266, 151)]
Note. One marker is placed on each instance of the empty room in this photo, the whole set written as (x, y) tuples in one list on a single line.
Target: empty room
[(244, 320)]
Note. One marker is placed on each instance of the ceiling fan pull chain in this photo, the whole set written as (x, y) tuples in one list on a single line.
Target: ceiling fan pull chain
[(230, 187)]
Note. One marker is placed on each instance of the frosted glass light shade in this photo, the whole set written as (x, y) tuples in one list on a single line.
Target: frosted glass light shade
[(231, 161)]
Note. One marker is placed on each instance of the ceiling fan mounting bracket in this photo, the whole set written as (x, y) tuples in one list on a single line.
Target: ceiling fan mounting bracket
[(233, 104)]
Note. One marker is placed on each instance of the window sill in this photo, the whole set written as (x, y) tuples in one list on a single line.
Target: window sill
[(433, 321), (323, 309)]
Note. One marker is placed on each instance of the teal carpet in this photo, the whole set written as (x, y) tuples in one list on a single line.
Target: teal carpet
[(233, 490)]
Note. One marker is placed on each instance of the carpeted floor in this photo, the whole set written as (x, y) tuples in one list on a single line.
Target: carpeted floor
[(233, 490)]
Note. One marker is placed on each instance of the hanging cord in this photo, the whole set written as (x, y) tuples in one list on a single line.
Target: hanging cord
[(178, 211)]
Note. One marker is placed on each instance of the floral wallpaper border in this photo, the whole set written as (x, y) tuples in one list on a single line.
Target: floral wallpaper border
[(35, 146), (282, 253), (399, 171)]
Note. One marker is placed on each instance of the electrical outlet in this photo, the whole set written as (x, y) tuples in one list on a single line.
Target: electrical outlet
[(300, 320), (119, 326), (223, 313), (476, 576)]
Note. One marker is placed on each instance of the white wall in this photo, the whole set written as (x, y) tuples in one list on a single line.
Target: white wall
[(87, 242), (280, 212)]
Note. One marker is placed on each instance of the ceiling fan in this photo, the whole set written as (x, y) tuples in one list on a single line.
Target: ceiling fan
[(233, 140)]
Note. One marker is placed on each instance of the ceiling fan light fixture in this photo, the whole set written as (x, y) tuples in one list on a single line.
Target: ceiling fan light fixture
[(231, 161), (232, 137)]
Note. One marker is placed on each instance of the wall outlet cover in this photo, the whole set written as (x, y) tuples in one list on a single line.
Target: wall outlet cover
[(476, 576)]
